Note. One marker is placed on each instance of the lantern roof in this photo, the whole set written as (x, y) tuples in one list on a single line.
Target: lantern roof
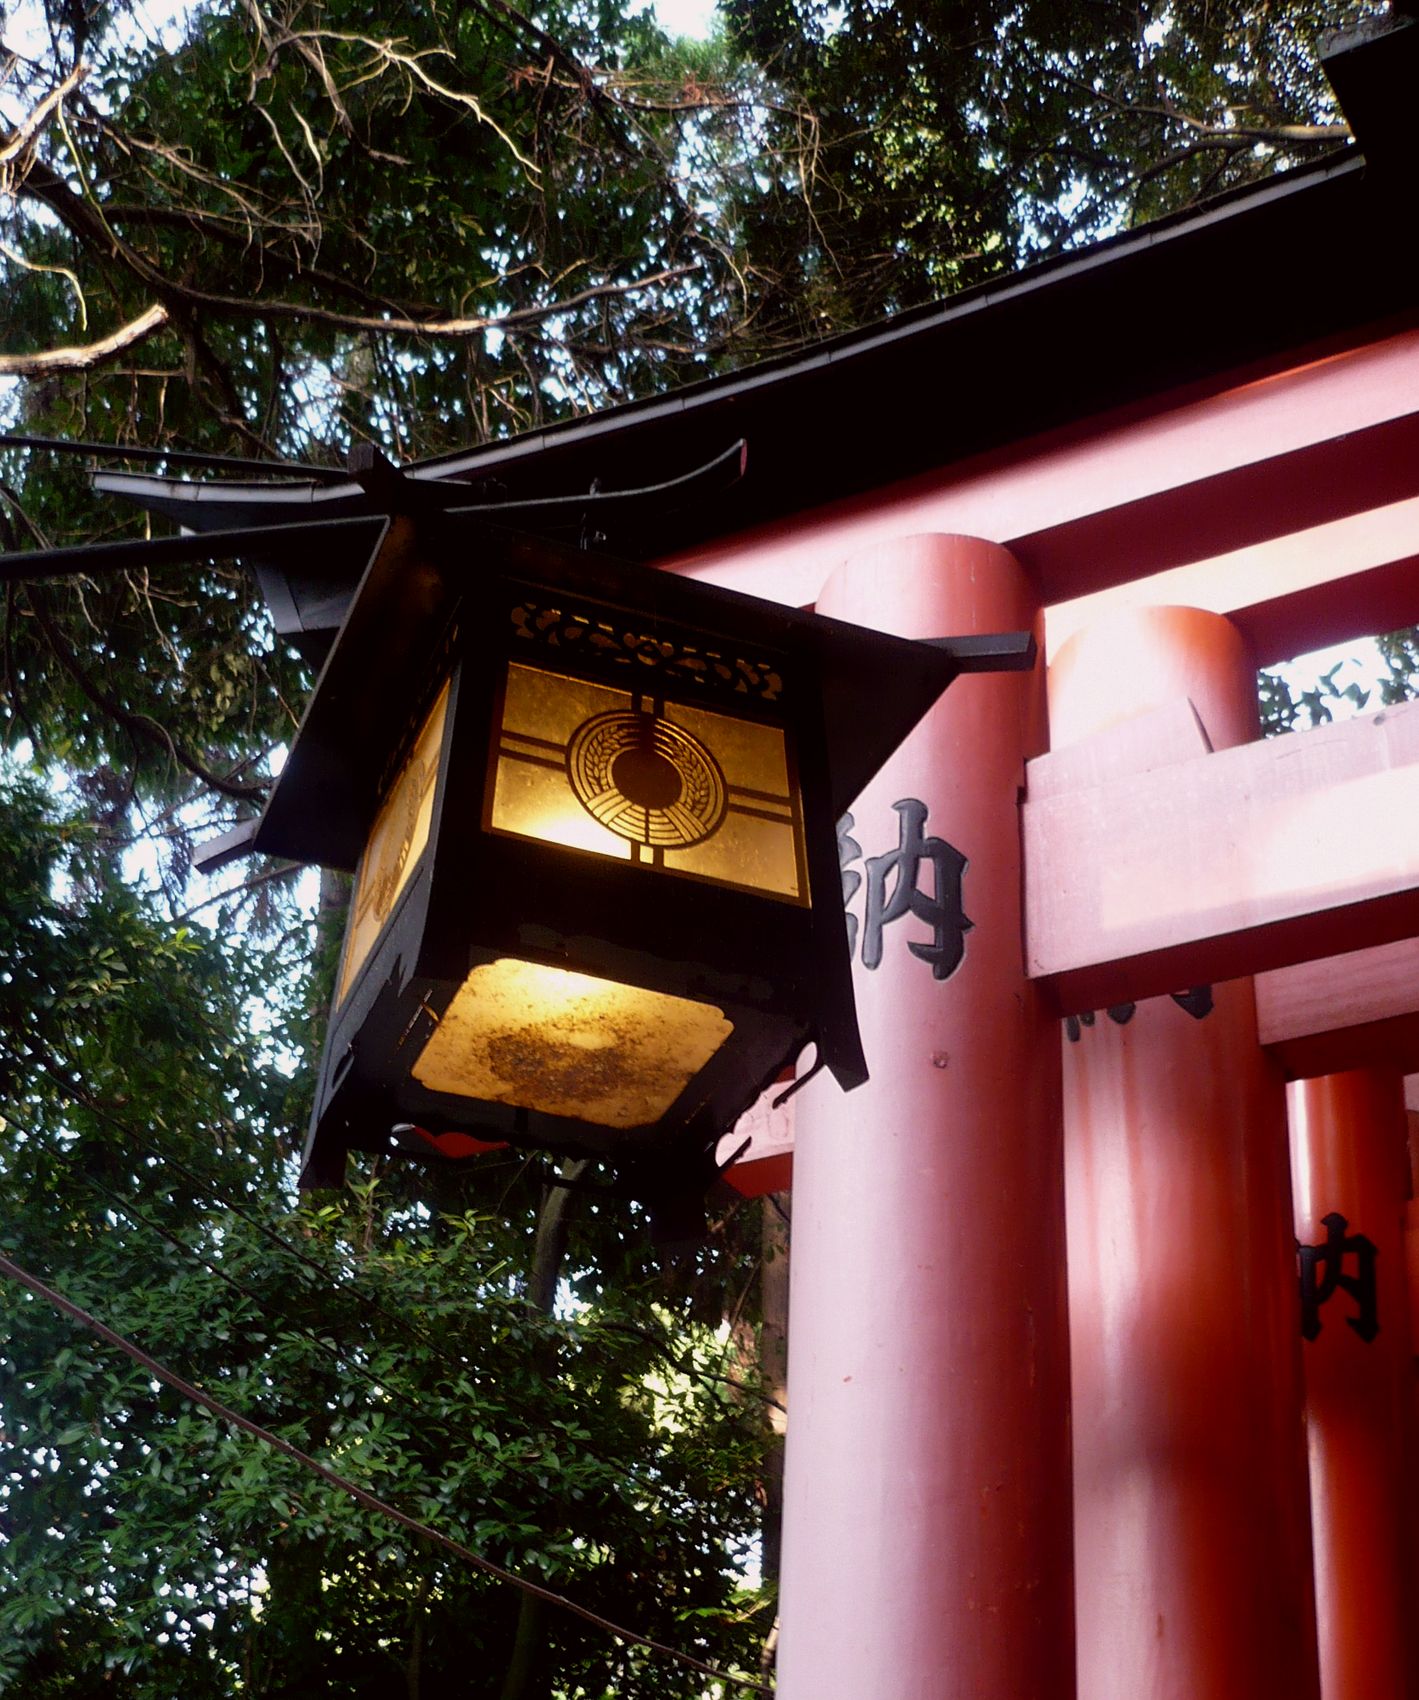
[(869, 687)]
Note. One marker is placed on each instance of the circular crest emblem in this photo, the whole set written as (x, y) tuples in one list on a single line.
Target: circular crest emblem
[(646, 779)]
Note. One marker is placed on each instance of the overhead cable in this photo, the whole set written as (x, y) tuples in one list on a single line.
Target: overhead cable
[(369, 1501)]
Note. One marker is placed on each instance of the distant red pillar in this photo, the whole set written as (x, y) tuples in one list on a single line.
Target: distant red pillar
[(1192, 1547), (1411, 1220), (1411, 1260), (1349, 1154), (927, 1539)]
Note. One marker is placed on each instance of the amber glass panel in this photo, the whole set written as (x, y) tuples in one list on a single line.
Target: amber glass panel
[(746, 851), (568, 1044), (397, 840), (682, 789), (751, 755), (760, 843), (531, 793)]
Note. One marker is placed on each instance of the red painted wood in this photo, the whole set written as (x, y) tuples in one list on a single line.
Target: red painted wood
[(458, 1145), (767, 1166), (1411, 1255), (927, 1545), (1356, 1010), (1191, 1539), (1243, 860), (1141, 744), (1133, 493), (1349, 1153), (1349, 577)]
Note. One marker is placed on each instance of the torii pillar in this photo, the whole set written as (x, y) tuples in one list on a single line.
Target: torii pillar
[(926, 1529), (1192, 1546), (1350, 1157)]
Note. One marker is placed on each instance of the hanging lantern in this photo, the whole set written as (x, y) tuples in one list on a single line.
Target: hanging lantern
[(590, 809)]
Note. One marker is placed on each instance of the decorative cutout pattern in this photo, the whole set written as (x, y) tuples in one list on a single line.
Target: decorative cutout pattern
[(647, 780), (620, 648)]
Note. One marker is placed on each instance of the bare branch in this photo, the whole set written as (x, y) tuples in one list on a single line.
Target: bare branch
[(1228, 128), (246, 886), (71, 277), (142, 728), (90, 354), (73, 211), (21, 138), (216, 227), (503, 13), (388, 54), (1227, 145), (260, 213)]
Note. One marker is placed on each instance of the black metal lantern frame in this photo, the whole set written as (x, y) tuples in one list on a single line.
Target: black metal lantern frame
[(591, 810)]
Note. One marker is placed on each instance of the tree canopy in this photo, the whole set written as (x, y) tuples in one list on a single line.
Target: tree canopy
[(291, 227), (305, 225)]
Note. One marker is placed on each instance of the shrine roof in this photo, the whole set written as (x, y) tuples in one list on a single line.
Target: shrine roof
[(1303, 264)]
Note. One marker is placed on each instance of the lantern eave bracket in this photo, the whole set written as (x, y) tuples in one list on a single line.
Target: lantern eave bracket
[(988, 652)]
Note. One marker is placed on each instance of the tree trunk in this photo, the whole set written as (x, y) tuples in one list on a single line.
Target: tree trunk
[(548, 1251)]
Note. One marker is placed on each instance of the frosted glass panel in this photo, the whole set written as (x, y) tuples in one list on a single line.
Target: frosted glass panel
[(531, 793), (396, 841), (568, 1044), (760, 842), (745, 851), (547, 708)]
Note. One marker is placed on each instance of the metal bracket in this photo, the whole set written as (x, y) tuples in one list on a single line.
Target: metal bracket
[(989, 652)]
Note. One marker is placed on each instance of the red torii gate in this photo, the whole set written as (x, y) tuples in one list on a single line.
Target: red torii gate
[(1149, 844), (1051, 1369)]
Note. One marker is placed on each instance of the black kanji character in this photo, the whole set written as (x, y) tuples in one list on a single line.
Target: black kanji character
[(893, 890), (1323, 1270)]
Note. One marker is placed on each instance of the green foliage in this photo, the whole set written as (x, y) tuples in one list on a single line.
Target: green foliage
[(931, 145), (330, 205), (149, 1550), (445, 225), (1285, 700)]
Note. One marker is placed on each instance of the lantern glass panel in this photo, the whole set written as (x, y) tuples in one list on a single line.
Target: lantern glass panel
[(396, 841), (661, 784), (569, 1044), (531, 796), (759, 843)]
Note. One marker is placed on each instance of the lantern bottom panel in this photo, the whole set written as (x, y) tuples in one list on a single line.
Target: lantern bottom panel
[(569, 1044)]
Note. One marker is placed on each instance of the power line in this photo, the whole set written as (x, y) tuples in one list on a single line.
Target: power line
[(406, 1325), (369, 1501), (342, 1363), (330, 1278)]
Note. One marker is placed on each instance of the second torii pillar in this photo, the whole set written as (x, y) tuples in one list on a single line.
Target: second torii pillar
[(926, 1533), (1349, 1154), (1192, 1530)]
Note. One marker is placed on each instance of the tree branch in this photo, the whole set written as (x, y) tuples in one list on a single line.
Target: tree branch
[(139, 726), (72, 211), (210, 226), (502, 13), (21, 138), (90, 354), (386, 52), (248, 885)]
